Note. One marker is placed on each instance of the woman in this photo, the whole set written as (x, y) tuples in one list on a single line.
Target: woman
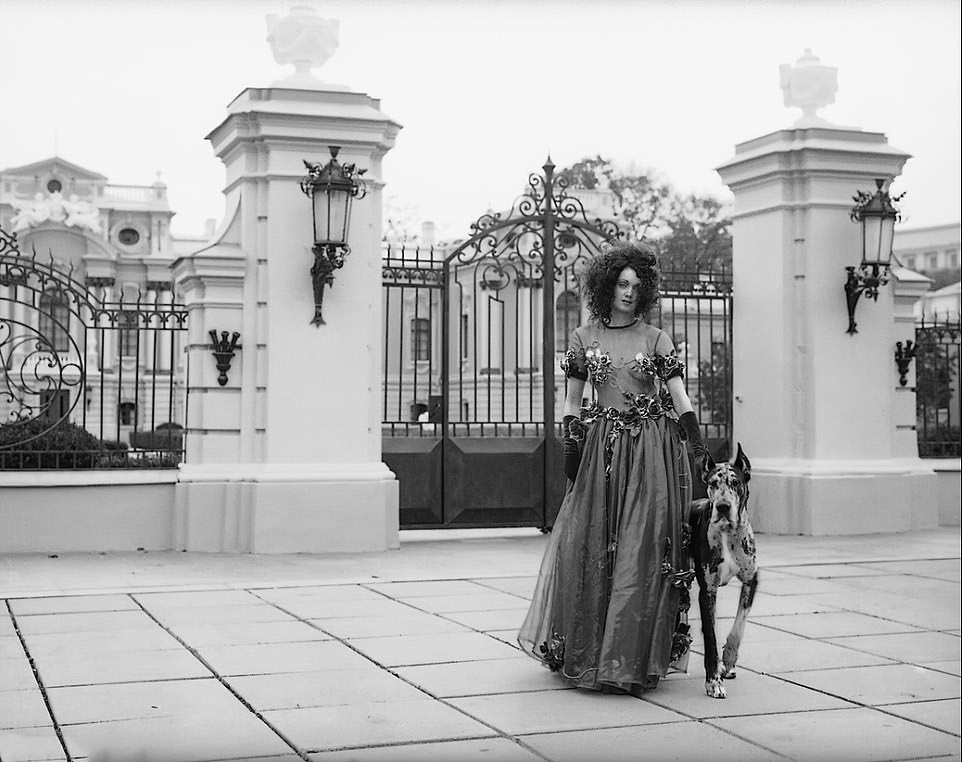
[(609, 611)]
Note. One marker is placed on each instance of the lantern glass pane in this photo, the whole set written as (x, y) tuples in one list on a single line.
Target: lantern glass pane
[(886, 238), (337, 220), (871, 239)]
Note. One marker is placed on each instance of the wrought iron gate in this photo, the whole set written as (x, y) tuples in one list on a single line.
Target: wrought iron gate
[(473, 336)]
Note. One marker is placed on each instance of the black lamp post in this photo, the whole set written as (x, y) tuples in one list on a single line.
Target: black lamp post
[(878, 215), (332, 189)]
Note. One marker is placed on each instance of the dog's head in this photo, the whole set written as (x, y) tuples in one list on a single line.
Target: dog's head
[(727, 487)]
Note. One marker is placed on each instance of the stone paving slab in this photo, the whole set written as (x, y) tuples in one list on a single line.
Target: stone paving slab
[(947, 568), (31, 745), (836, 624), (108, 641), (674, 742), (415, 623), (83, 704), (484, 601), (180, 738), (323, 688), (477, 678), (842, 735), (374, 724), (915, 647), (934, 612), (22, 709), (498, 619), (888, 684), (523, 586), (10, 647), (171, 616), (205, 598), (426, 589), (6, 625), (319, 608), (272, 658), (831, 571), (404, 650), (793, 656), (66, 604), (942, 715), (36, 624), (484, 750), (90, 668), (749, 694), (331, 593), (949, 667), (16, 675), (247, 633), (546, 711)]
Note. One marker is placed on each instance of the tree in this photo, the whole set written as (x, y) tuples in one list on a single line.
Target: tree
[(688, 231)]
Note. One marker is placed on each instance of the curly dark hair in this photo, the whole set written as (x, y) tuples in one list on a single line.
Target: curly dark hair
[(601, 275)]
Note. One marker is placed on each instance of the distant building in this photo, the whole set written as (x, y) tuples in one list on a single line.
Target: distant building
[(114, 243), (928, 249)]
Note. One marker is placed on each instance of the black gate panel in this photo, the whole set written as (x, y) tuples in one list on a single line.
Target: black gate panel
[(494, 481), (417, 463), (474, 333)]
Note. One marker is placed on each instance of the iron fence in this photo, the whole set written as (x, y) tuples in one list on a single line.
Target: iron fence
[(937, 387), (93, 375)]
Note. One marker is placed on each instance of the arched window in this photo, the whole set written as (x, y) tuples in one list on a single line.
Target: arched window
[(55, 320), (420, 338), (567, 316)]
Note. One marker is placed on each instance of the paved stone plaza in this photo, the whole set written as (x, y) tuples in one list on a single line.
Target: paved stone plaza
[(853, 653)]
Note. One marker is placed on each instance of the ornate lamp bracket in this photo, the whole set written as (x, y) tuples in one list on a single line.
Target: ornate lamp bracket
[(904, 354), (865, 280), (328, 257), (223, 350)]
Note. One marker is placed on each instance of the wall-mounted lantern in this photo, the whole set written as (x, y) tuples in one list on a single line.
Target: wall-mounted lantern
[(877, 214), (332, 189), (904, 354), (223, 350)]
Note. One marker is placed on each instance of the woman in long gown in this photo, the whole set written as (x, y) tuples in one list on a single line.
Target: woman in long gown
[(609, 611)]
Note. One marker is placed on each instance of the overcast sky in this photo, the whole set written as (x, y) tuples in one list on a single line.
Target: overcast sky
[(484, 89)]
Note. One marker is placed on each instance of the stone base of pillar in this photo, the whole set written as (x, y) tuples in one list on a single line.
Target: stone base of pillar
[(842, 497), (315, 508)]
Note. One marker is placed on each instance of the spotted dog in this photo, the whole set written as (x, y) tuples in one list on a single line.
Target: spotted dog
[(722, 547)]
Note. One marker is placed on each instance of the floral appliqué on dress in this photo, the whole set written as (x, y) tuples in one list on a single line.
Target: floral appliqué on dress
[(553, 652)]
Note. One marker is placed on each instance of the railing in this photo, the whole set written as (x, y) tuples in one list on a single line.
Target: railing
[(86, 382), (937, 387)]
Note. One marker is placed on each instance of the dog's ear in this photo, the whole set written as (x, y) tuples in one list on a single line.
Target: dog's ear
[(742, 462)]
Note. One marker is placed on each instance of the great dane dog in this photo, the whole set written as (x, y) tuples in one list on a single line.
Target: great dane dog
[(722, 547)]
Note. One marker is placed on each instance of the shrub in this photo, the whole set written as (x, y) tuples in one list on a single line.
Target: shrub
[(65, 445)]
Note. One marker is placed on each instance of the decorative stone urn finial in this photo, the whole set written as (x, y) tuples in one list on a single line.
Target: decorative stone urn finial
[(304, 39), (809, 85)]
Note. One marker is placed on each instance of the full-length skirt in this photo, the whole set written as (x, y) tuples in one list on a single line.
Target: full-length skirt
[(609, 609)]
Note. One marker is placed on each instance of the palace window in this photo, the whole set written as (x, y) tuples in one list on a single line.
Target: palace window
[(421, 339), (128, 413), (55, 320)]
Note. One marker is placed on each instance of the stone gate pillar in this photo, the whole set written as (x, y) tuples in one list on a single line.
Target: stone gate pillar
[(290, 460), (814, 407)]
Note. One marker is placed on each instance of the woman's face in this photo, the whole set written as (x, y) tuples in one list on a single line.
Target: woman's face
[(627, 293)]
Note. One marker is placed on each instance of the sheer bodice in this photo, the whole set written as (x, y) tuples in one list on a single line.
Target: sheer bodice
[(622, 363)]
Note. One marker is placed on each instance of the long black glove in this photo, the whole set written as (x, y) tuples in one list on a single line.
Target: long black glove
[(569, 447), (689, 424)]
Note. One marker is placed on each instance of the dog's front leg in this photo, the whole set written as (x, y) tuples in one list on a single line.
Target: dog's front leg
[(706, 604), (734, 639)]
